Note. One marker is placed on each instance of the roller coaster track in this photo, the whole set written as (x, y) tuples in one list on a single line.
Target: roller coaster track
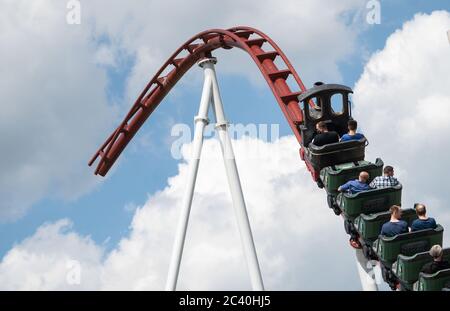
[(261, 49)]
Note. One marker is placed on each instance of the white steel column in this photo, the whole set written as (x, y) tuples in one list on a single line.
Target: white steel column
[(201, 120), (211, 95), (366, 272), (235, 187)]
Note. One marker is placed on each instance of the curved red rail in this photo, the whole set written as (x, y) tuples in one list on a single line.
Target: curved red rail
[(199, 46)]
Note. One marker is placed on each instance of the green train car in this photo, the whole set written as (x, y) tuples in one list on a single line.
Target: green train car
[(364, 213), (407, 268)]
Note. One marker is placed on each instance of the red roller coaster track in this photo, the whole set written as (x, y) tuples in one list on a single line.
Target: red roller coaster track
[(201, 45)]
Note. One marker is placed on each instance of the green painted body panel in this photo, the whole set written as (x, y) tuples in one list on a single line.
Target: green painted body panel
[(407, 268), (337, 175), (408, 244), (433, 282), (369, 226), (369, 202)]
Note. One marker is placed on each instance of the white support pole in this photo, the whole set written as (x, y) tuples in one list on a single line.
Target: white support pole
[(366, 272), (201, 120), (211, 95), (235, 184)]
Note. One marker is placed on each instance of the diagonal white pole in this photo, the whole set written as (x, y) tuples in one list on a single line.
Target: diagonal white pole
[(201, 120), (366, 272), (211, 94), (235, 184)]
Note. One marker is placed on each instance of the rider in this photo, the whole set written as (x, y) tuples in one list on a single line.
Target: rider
[(324, 136), (357, 185), (352, 125), (438, 262), (395, 226)]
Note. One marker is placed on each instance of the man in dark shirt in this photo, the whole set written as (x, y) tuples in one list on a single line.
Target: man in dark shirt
[(423, 222), (438, 262), (324, 137), (395, 226)]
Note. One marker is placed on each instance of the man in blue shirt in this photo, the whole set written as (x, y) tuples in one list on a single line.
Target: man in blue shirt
[(357, 185), (395, 226), (352, 135), (423, 222)]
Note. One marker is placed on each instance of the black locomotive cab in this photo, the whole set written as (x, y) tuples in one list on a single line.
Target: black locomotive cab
[(329, 103)]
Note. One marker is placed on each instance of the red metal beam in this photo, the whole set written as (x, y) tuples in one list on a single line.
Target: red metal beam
[(201, 45)]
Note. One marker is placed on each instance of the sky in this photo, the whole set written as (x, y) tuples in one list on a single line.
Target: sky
[(65, 87)]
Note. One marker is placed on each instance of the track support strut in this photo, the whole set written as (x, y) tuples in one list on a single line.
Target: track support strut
[(211, 96), (367, 272)]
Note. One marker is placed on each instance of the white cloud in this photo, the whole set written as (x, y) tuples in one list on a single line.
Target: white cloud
[(53, 78), (45, 261), (288, 215), (296, 235), (294, 232), (54, 109), (306, 30), (301, 245), (403, 103)]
